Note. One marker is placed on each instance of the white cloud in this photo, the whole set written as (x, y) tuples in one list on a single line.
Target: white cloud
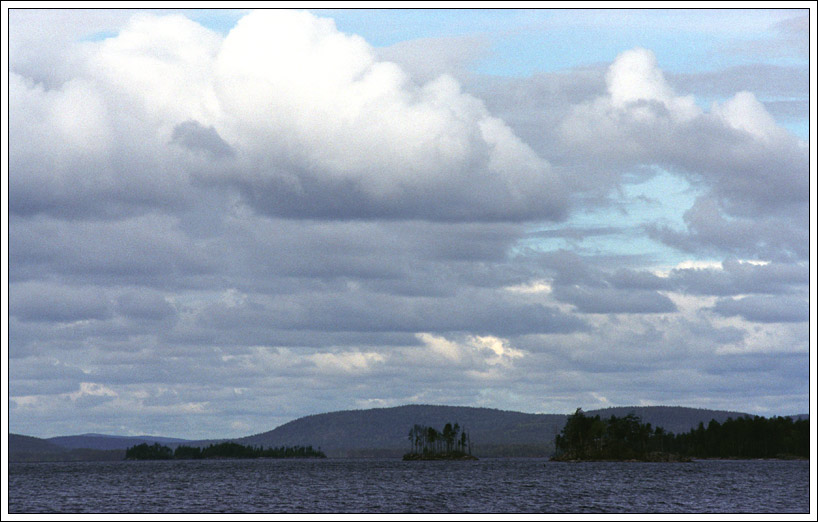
[(93, 389), (306, 119), (635, 76), (345, 362), (298, 95), (744, 112), (474, 351), (533, 287)]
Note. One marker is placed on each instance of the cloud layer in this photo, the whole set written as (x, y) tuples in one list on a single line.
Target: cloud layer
[(211, 234)]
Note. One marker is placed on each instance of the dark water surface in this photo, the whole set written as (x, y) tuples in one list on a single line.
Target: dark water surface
[(394, 486)]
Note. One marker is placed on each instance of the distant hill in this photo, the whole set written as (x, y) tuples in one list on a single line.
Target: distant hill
[(23, 448), (110, 442), (381, 432), (384, 431)]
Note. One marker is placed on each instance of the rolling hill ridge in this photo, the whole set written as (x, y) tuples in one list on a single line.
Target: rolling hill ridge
[(498, 433), (381, 432)]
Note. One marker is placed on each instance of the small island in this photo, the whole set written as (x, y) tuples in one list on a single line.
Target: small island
[(626, 438), (430, 444), (224, 450)]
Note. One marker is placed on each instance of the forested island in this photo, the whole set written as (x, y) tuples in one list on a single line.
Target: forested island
[(627, 438), (224, 450), (430, 444)]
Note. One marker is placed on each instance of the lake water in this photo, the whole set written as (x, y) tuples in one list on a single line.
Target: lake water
[(394, 486)]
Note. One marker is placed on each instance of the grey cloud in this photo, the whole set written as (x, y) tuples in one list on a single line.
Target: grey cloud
[(612, 301), (742, 278), (478, 311), (196, 137), (576, 233), (760, 78), (717, 335), (765, 309), (143, 250), (638, 279), (44, 375), (592, 289), (753, 178), (791, 40), (44, 302), (782, 238), (760, 182), (148, 306), (788, 109), (297, 193)]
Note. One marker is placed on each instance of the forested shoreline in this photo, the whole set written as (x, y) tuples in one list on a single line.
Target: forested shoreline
[(627, 438), (224, 450)]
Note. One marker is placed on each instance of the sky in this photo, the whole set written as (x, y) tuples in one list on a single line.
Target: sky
[(220, 221)]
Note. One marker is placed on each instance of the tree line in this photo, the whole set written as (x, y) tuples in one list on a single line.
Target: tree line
[(224, 450), (452, 440), (625, 438)]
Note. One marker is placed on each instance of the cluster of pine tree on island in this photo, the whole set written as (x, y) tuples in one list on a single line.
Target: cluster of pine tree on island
[(627, 438), (224, 450), (429, 444)]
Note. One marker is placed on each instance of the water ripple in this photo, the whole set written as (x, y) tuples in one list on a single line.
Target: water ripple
[(394, 486)]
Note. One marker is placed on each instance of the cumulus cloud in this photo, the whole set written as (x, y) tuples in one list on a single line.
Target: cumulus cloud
[(635, 78), (332, 130), (318, 127), (752, 170), (478, 351)]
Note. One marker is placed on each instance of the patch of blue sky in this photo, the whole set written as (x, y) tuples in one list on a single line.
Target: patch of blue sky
[(527, 41), (217, 20), (384, 27), (618, 229), (798, 128), (98, 36), (525, 55)]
